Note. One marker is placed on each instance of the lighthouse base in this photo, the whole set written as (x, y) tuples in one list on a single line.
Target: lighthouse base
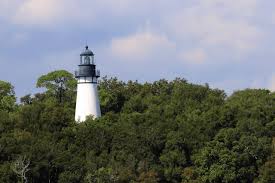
[(87, 102)]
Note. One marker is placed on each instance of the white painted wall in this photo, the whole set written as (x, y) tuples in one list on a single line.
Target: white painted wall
[(87, 102)]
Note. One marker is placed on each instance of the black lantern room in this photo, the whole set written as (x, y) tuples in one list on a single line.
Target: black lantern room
[(87, 69)]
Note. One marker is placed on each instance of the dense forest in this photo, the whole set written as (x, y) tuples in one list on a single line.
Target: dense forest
[(165, 131)]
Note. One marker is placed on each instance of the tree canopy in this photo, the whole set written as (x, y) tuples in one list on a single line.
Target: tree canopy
[(165, 131), (57, 83), (7, 96)]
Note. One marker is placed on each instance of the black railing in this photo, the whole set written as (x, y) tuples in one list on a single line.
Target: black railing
[(76, 73), (97, 74), (86, 74)]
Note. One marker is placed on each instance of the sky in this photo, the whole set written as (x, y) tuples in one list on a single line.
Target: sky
[(228, 44)]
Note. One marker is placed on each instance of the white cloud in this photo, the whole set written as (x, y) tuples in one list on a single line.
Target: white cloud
[(212, 32), (217, 23), (49, 12), (194, 56), (205, 20), (141, 46), (39, 11), (8, 8)]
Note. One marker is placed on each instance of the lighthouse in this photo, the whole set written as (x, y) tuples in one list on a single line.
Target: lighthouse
[(87, 102)]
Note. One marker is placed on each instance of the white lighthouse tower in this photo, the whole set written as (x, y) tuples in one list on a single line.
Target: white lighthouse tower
[(87, 102)]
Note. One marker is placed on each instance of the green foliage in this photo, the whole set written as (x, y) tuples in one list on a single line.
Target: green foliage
[(60, 84), (102, 175), (267, 171), (27, 99), (6, 89), (7, 96), (112, 94), (165, 131)]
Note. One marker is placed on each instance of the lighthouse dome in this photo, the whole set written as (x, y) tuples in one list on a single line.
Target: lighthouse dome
[(87, 52)]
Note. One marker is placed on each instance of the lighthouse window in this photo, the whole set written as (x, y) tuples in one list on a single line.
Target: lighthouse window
[(87, 60)]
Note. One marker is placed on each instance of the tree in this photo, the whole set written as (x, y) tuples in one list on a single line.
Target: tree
[(59, 83), (165, 131), (7, 96), (6, 89), (21, 167), (112, 94), (26, 100), (102, 175), (267, 171)]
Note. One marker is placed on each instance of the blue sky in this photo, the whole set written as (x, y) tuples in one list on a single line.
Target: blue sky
[(226, 43)]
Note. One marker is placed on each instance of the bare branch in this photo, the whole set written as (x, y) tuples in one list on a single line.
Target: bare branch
[(20, 167)]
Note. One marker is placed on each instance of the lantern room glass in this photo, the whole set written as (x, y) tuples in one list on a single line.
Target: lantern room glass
[(86, 60)]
